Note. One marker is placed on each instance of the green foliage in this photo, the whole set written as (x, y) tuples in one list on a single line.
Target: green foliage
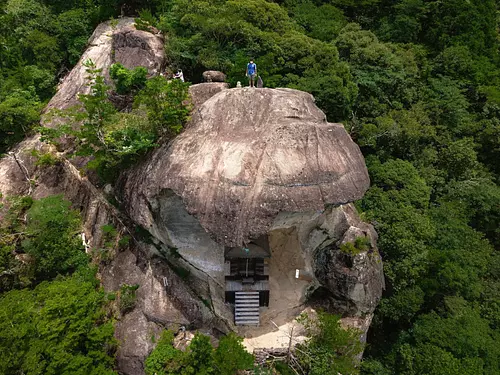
[(40, 240), (361, 244), (60, 325), (45, 159), (57, 328), (199, 358), (146, 20), (128, 80), (165, 104), (330, 349), (127, 297), (164, 359), (117, 141), (38, 43), (231, 356), (19, 111), (52, 238), (322, 22)]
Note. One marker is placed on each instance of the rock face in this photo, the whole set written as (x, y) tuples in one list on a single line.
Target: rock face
[(214, 76), (247, 155), (201, 92), (109, 44)]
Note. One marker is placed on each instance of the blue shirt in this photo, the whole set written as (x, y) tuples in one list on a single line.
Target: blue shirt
[(251, 68)]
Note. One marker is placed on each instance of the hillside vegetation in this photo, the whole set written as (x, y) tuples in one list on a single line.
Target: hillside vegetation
[(416, 84)]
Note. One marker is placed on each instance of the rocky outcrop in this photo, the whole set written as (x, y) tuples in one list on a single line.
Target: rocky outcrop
[(354, 278), (247, 155), (262, 163), (214, 76), (201, 92), (109, 44)]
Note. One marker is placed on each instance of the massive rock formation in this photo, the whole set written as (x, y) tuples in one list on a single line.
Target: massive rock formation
[(247, 155), (262, 162), (251, 163)]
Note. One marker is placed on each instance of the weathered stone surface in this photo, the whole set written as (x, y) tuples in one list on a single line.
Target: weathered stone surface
[(134, 47), (262, 162), (109, 44), (355, 281), (163, 301), (247, 155), (201, 92), (214, 76)]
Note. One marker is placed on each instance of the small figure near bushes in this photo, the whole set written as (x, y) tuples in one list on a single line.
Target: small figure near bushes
[(179, 75)]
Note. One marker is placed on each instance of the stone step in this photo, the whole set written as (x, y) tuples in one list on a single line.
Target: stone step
[(247, 294), (252, 309), (247, 322), (249, 314), (247, 304), (248, 298), (246, 309)]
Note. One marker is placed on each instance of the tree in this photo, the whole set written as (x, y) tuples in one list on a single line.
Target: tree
[(115, 141), (57, 328), (52, 238), (128, 80), (165, 104), (199, 358), (19, 112), (331, 348), (231, 356)]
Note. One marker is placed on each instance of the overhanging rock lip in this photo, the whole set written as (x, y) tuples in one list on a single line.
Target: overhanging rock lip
[(248, 155)]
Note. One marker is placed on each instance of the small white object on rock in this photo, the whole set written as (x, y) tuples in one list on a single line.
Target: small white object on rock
[(108, 189)]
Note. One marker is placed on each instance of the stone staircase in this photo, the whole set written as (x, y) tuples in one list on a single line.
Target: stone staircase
[(246, 309)]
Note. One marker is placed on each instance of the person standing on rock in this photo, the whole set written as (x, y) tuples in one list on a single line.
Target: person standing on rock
[(251, 73), (179, 75)]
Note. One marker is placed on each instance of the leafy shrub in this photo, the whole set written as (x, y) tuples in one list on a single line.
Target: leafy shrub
[(330, 349), (45, 159), (52, 238), (128, 80), (19, 112), (166, 104), (200, 358), (164, 359), (230, 356), (117, 141), (145, 20), (127, 297), (361, 244)]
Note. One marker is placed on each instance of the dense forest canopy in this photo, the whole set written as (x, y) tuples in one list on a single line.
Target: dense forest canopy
[(415, 82)]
